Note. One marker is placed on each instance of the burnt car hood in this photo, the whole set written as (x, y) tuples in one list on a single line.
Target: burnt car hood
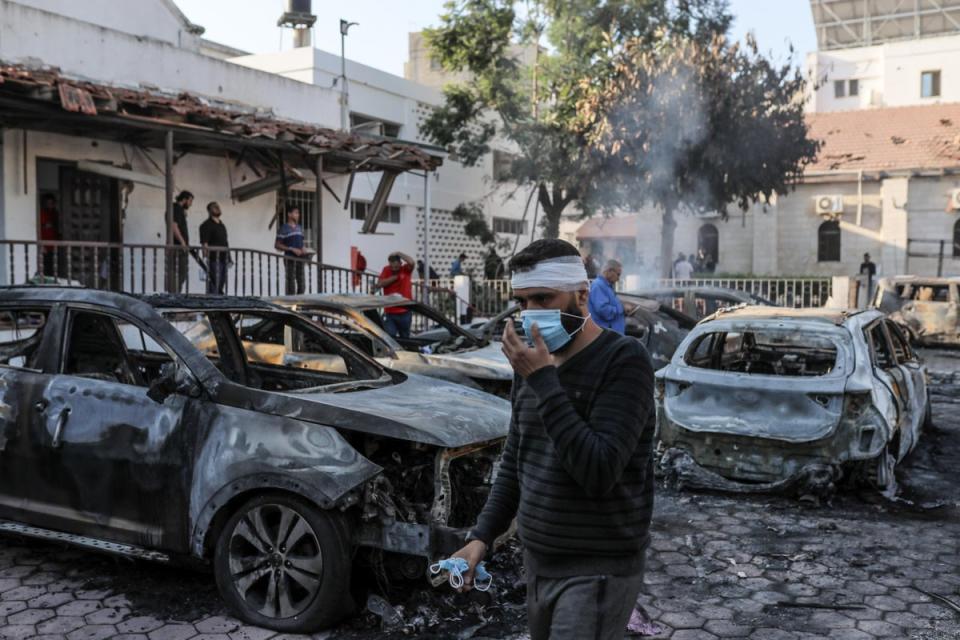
[(419, 409), (486, 362)]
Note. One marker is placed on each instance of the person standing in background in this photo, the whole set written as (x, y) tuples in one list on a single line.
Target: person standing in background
[(604, 305), (290, 242), (178, 260), (396, 277), (456, 268), (869, 271), (682, 269), (49, 230), (213, 237)]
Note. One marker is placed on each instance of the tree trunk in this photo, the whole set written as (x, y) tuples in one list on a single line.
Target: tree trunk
[(552, 210), (668, 226)]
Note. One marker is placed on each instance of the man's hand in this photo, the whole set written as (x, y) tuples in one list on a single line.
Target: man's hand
[(525, 359), (473, 552)]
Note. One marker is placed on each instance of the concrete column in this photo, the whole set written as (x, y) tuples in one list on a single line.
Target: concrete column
[(461, 286), (766, 233), (894, 227)]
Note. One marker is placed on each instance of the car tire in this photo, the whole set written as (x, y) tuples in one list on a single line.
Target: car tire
[(283, 564)]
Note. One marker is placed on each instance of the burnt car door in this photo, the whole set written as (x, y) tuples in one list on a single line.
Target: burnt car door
[(115, 462), (915, 378), (27, 350), (892, 378)]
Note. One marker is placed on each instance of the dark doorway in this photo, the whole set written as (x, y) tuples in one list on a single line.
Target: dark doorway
[(708, 242), (828, 242), (88, 211)]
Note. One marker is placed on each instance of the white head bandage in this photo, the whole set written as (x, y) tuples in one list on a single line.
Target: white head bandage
[(563, 274)]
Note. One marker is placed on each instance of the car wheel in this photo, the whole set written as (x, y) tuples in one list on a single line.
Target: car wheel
[(283, 564)]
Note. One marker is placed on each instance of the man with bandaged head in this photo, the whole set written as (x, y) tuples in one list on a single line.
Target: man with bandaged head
[(577, 469)]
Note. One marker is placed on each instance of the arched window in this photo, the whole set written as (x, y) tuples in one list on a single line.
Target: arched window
[(956, 239), (828, 242), (708, 242)]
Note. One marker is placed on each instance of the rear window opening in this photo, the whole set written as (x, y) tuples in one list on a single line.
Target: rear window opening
[(764, 352)]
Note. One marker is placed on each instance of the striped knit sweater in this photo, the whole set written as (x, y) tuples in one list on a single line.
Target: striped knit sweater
[(577, 469)]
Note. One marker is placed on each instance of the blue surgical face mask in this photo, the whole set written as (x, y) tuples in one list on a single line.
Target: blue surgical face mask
[(550, 323)]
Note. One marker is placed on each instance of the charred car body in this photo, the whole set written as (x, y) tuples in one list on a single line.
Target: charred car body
[(658, 326), (765, 399), (929, 308), (700, 302), (118, 434), (444, 351)]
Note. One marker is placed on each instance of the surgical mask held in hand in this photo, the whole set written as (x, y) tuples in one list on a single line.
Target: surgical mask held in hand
[(456, 567), (550, 323)]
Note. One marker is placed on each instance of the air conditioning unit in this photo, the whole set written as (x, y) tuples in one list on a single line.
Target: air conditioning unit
[(829, 205), (954, 200)]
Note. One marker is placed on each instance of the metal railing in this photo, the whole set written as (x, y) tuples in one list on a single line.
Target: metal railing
[(786, 292), (149, 268)]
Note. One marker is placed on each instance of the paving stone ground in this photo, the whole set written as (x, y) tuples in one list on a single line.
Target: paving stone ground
[(720, 567)]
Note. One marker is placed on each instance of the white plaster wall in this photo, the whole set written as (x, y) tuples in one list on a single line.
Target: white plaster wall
[(29, 35), (929, 219), (890, 73), (156, 19)]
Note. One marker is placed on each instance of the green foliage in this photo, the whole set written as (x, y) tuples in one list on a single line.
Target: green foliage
[(474, 222)]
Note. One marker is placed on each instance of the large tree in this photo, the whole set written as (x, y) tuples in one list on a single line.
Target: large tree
[(694, 124), (576, 45)]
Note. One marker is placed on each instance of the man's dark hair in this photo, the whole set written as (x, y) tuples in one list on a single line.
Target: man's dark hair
[(184, 195), (210, 206), (462, 256), (541, 250), (48, 197), (394, 257), (291, 207)]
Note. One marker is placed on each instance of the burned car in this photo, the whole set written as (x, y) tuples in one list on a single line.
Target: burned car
[(118, 434), (700, 302), (928, 308), (771, 399), (658, 326), (447, 352)]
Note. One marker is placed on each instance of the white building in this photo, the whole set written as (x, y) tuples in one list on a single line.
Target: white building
[(56, 52), (885, 54)]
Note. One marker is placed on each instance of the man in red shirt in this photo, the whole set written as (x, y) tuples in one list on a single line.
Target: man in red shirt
[(49, 230), (396, 278)]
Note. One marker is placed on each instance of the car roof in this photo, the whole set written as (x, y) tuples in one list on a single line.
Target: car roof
[(121, 300), (719, 292), (930, 280), (360, 301), (760, 312)]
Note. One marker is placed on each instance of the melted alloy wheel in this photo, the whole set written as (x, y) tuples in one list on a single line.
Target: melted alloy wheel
[(275, 561)]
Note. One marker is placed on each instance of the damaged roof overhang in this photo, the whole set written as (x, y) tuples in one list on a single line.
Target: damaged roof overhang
[(45, 100)]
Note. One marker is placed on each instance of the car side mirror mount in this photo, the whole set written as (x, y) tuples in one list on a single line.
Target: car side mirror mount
[(173, 378)]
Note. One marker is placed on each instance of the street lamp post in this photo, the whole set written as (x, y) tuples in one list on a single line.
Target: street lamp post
[(345, 94)]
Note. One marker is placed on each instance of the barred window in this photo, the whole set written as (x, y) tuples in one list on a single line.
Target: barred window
[(828, 242), (509, 225), (359, 209)]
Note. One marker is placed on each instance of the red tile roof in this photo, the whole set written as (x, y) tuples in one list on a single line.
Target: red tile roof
[(886, 139)]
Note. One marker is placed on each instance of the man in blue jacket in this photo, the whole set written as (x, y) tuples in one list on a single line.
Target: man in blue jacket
[(604, 306)]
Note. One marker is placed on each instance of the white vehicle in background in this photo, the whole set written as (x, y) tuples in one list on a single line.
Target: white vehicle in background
[(776, 399)]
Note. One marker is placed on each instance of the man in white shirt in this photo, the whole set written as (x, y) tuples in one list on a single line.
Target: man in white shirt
[(682, 269)]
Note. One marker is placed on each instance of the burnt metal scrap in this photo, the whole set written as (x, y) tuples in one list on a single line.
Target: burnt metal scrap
[(46, 99), (118, 433), (761, 399), (928, 308)]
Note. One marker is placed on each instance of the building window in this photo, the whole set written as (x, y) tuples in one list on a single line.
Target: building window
[(839, 88), (359, 209), (956, 239), (501, 164), (828, 242), (304, 201), (374, 126), (435, 65), (930, 84), (708, 241), (853, 88), (509, 225)]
